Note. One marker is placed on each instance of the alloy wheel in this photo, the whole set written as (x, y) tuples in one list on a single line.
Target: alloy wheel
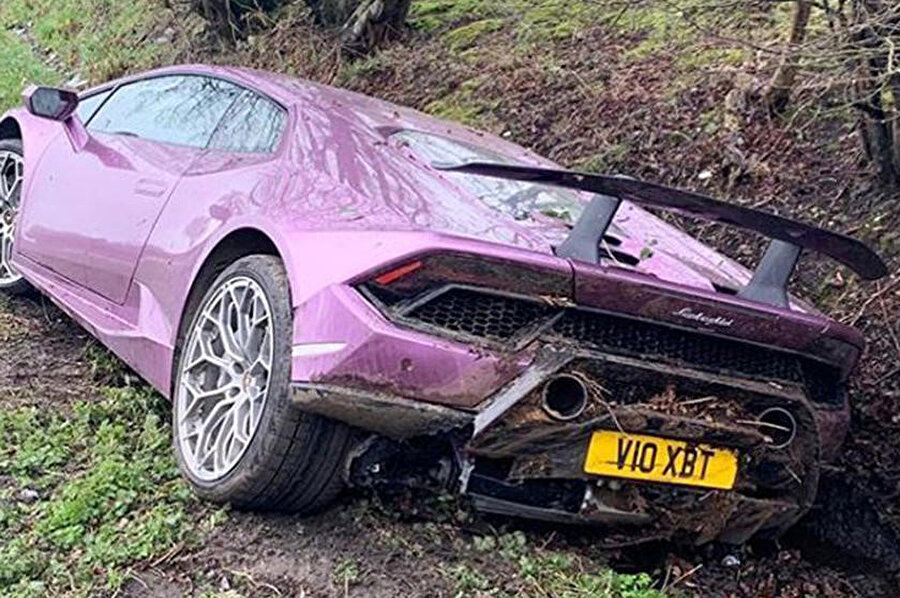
[(225, 376), (11, 174)]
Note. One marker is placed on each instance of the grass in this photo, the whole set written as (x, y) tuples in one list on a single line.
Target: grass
[(533, 20), (90, 491), (542, 573), (99, 39), (18, 67)]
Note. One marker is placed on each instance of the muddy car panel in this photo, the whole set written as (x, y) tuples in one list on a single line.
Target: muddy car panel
[(427, 305)]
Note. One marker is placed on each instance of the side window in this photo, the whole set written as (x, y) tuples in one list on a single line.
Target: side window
[(177, 109), (252, 124), (88, 106)]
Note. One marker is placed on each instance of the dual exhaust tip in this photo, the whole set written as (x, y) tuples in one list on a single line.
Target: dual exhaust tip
[(565, 397)]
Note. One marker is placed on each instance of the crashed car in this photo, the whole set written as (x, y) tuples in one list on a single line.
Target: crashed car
[(334, 290)]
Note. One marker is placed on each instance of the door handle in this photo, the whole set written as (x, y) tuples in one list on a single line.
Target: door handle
[(150, 187)]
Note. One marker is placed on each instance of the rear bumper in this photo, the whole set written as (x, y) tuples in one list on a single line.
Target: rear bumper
[(514, 460), (403, 378)]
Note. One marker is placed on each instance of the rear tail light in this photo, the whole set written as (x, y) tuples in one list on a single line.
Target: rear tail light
[(397, 273)]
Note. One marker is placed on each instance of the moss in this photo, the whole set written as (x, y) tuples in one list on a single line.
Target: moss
[(464, 105), (708, 57), (547, 20), (429, 15), (464, 37), (536, 20), (609, 159)]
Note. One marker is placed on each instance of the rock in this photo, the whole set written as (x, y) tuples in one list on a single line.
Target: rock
[(29, 495), (76, 81)]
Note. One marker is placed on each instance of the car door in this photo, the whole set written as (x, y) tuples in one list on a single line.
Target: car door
[(88, 216)]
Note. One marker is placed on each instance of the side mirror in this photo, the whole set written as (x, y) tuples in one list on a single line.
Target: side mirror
[(50, 102)]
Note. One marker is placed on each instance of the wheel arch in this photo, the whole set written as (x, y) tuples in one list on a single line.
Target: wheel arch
[(234, 245), (10, 128)]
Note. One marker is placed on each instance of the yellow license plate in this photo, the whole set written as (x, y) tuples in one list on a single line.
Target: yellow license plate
[(640, 457)]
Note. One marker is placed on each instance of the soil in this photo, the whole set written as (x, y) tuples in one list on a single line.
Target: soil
[(590, 106)]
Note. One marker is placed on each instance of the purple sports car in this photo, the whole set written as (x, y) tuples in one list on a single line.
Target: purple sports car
[(335, 291)]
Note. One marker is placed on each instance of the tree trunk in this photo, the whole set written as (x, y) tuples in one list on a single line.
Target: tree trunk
[(372, 22), (895, 120), (782, 83), (333, 13), (881, 129), (878, 132), (364, 23)]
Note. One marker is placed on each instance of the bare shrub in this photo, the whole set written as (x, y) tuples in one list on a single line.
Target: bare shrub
[(363, 24)]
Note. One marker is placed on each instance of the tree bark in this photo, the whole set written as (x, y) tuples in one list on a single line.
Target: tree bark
[(895, 121), (363, 23), (782, 83), (372, 22), (881, 129), (879, 137)]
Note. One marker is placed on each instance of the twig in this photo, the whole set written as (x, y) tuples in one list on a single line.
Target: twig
[(698, 401), (249, 578), (168, 555), (685, 575), (887, 376), (869, 301), (665, 583)]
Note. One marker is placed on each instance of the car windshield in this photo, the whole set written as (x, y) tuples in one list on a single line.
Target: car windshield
[(517, 199)]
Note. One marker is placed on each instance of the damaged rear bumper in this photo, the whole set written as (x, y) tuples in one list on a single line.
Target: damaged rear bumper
[(466, 368), (514, 459)]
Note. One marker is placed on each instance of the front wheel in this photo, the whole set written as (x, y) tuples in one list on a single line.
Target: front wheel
[(12, 168), (238, 436)]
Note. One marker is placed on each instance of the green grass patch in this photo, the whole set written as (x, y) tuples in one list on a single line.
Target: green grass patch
[(542, 573), (104, 494), (100, 40), (532, 20), (552, 20), (18, 67), (430, 15)]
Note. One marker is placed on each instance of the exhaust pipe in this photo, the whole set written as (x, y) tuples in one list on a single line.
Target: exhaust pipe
[(779, 425), (564, 397)]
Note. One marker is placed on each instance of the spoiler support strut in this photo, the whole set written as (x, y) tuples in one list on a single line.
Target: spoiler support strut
[(583, 243), (769, 282)]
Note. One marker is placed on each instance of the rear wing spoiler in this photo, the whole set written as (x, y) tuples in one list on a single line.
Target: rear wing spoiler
[(769, 281)]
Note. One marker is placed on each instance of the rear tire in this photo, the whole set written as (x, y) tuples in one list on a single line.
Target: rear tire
[(11, 172), (293, 460)]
